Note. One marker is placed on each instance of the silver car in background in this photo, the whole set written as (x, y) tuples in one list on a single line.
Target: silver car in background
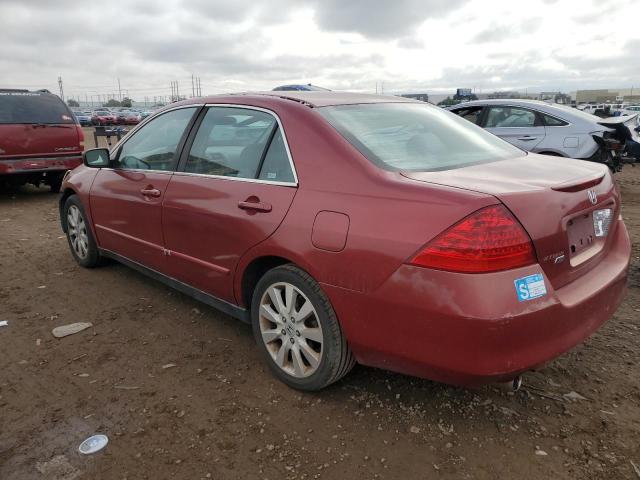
[(548, 129)]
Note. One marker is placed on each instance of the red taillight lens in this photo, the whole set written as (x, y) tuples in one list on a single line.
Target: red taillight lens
[(80, 136), (488, 240)]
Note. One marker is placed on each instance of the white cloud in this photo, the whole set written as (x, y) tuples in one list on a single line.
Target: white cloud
[(247, 45)]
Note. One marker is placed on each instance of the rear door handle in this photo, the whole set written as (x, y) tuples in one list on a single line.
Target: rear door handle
[(527, 138), (150, 192), (256, 206)]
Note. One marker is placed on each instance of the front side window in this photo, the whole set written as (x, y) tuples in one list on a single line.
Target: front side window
[(510, 117), (473, 114), (240, 143), (154, 146), (418, 137)]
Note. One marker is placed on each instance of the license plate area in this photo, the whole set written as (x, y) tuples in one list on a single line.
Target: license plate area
[(580, 234), (587, 233)]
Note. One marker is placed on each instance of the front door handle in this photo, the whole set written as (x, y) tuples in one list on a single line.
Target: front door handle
[(150, 192), (255, 205), (526, 138)]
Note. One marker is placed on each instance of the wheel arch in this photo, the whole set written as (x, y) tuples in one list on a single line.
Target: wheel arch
[(254, 271), (66, 193)]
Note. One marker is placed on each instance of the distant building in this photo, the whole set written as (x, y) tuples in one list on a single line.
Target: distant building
[(608, 95), (423, 97)]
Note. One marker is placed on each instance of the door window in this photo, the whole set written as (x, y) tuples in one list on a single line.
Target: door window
[(276, 166), (240, 143), (155, 145), (473, 114), (505, 117), (550, 121)]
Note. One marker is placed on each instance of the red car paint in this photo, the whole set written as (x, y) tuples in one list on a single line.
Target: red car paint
[(104, 118), (355, 228), (37, 146)]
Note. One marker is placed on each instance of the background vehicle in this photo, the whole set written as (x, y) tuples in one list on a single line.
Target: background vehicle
[(39, 138), (300, 88), (83, 118), (103, 117), (347, 226), (548, 129), (129, 118)]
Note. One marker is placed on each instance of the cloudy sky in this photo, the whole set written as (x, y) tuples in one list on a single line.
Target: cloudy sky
[(239, 45)]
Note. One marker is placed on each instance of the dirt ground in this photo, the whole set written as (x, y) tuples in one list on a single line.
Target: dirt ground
[(182, 393)]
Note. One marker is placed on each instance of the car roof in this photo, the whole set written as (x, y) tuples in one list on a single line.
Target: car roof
[(312, 99), (502, 101)]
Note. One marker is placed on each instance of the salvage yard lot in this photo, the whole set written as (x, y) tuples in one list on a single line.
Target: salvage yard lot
[(181, 392)]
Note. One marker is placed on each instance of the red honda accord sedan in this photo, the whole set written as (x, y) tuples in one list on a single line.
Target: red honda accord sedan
[(363, 228)]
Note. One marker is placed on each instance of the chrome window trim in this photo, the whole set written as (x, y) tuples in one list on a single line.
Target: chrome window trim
[(142, 170), (189, 174), (236, 179)]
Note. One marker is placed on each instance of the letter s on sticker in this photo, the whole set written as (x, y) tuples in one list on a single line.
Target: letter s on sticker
[(524, 291)]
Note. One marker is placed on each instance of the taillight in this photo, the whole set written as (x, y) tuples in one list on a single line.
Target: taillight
[(80, 136), (488, 240)]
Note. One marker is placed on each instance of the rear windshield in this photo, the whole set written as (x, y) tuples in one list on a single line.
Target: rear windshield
[(419, 137), (33, 107)]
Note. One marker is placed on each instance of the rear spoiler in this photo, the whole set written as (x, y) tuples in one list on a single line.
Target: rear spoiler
[(577, 185)]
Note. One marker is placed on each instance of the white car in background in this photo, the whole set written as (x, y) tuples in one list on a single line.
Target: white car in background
[(548, 129)]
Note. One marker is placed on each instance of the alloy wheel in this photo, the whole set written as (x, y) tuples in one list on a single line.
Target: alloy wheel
[(290, 329), (77, 231)]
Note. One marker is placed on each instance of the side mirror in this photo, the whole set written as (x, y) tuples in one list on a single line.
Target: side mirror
[(96, 158)]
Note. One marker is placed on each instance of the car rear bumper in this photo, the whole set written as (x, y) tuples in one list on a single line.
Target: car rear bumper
[(469, 330), (39, 164)]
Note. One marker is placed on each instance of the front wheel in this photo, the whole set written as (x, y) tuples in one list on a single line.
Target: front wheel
[(296, 328), (81, 242)]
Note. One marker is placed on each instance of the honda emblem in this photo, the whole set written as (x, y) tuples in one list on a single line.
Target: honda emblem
[(593, 196)]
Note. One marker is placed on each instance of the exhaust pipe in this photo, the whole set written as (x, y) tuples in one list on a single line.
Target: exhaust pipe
[(512, 386)]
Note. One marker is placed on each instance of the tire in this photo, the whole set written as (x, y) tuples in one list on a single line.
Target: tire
[(306, 351), (79, 236), (56, 183)]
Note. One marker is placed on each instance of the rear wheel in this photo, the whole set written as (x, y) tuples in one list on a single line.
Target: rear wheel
[(81, 242), (296, 328)]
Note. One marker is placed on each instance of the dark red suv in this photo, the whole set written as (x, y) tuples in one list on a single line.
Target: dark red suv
[(39, 138)]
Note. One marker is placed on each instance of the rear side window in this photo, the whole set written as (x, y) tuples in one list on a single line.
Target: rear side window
[(241, 143), (510, 117), (415, 136), (276, 166), (33, 107), (550, 121)]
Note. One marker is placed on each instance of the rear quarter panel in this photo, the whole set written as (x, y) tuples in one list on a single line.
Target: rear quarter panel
[(390, 216)]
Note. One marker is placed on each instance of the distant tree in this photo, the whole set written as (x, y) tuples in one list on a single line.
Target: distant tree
[(72, 103), (112, 103), (126, 102), (448, 101)]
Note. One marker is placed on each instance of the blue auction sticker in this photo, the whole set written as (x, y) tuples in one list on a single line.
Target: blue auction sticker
[(530, 287)]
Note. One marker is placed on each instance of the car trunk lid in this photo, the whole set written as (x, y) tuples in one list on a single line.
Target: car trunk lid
[(556, 200)]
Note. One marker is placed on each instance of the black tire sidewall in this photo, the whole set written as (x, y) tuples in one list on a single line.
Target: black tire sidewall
[(326, 316), (93, 256)]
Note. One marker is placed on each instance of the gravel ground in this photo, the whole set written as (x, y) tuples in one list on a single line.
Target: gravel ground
[(182, 393)]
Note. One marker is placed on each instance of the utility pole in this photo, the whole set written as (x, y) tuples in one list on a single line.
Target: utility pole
[(61, 89), (119, 90), (193, 87)]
